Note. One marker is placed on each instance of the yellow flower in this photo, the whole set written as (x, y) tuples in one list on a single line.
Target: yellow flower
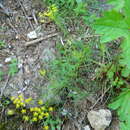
[(35, 114), (40, 117), (17, 106), (18, 102), (10, 112), (22, 104), (40, 14), (21, 96), (49, 14), (42, 72), (50, 109), (26, 118), (28, 100), (39, 110), (12, 98), (40, 102), (43, 108), (23, 111), (42, 21), (36, 109), (46, 127), (42, 114), (54, 8), (32, 109), (46, 114), (15, 101), (34, 119)]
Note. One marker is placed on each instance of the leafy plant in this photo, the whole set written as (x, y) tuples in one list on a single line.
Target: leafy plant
[(13, 67), (122, 105), (117, 4), (112, 25), (65, 73), (2, 44), (66, 6), (42, 114), (66, 10), (115, 25), (1, 75)]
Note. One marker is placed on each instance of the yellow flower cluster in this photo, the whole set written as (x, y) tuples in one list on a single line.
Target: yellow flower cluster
[(18, 101), (39, 113), (26, 118), (42, 72), (51, 12), (46, 127), (33, 114), (10, 112)]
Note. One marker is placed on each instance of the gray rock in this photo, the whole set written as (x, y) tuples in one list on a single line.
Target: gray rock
[(8, 59), (86, 127), (32, 35), (100, 119), (35, 33)]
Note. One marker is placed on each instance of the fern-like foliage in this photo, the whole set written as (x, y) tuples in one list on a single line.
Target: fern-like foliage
[(113, 25)]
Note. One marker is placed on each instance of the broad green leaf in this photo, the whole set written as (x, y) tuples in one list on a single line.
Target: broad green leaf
[(125, 56), (122, 105), (123, 126), (115, 105), (111, 26), (117, 4), (127, 10)]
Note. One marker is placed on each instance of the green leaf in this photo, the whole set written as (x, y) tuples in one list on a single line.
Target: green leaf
[(122, 105), (127, 10), (2, 44), (117, 4), (13, 67), (79, 1), (123, 126), (125, 56), (111, 26), (1, 74), (80, 9)]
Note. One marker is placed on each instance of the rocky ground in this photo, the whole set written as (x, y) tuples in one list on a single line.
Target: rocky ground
[(17, 30)]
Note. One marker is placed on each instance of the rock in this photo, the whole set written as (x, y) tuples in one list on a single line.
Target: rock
[(8, 59), (100, 119), (35, 34), (32, 35), (86, 127)]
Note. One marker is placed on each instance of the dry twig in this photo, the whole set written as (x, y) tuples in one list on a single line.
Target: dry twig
[(40, 39), (100, 98)]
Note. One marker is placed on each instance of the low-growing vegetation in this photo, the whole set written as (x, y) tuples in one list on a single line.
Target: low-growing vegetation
[(85, 63)]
